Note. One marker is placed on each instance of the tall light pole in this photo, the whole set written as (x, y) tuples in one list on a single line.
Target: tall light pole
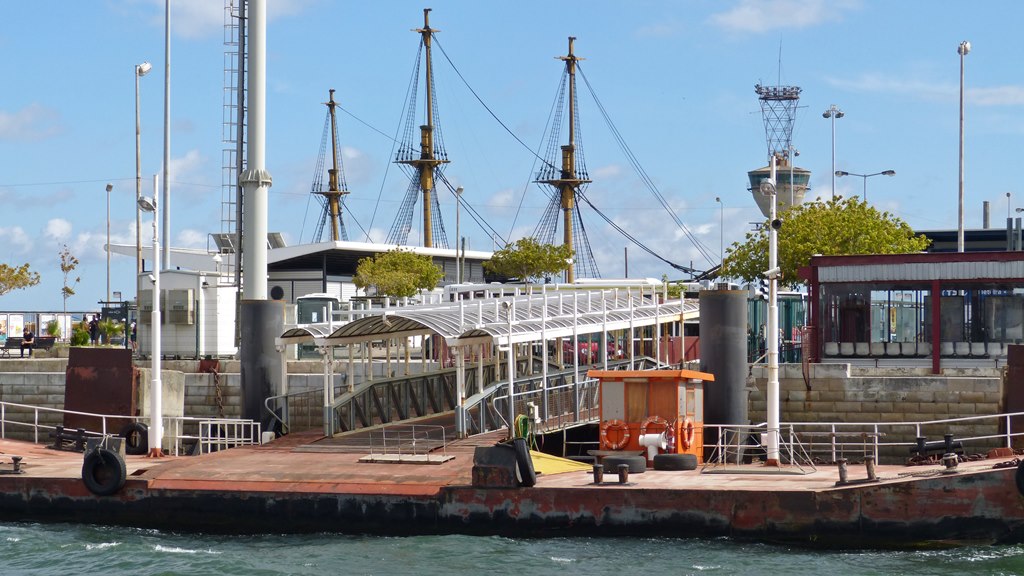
[(1008, 194), (458, 239), (156, 425), (865, 177), (109, 188), (721, 230), (768, 188), (140, 71), (833, 112), (963, 50)]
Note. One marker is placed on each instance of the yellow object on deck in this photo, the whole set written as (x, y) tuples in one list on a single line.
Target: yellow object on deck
[(548, 464)]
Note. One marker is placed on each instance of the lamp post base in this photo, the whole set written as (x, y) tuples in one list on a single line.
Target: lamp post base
[(155, 453)]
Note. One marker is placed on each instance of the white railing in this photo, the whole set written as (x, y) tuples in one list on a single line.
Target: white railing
[(408, 440), (217, 433)]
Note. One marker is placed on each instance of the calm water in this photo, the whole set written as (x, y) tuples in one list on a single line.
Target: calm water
[(73, 550)]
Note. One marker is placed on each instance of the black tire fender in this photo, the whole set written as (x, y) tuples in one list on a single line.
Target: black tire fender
[(136, 438), (104, 472), (675, 462), (637, 464), (525, 473)]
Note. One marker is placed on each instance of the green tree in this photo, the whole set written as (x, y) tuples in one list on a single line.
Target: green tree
[(398, 273), (527, 259), (68, 263), (15, 278), (839, 226)]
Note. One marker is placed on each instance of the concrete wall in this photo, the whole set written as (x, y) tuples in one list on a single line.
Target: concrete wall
[(843, 393)]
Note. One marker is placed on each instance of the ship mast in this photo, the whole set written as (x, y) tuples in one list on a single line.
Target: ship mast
[(569, 180), (427, 162), (334, 192)]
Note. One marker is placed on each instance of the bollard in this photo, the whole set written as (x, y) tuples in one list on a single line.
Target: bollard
[(842, 470), (598, 473), (950, 461), (869, 462), (16, 460), (623, 473)]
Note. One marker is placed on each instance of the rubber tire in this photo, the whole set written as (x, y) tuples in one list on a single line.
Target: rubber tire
[(637, 464), (1019, 478), (675, 462), (525, 474), (136, 438), (104, 472)]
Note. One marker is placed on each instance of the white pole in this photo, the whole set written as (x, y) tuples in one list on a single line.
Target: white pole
[(156, 425), (167, 138), (458, 238), (109, 188), (963, 50), (773, 331), (256, 180)]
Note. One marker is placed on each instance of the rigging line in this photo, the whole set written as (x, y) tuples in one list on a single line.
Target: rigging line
[(387, 168), (354, 219), (473, 212), (368, 125), (533, 166), (480, 100), (632, 239), (643, 173)]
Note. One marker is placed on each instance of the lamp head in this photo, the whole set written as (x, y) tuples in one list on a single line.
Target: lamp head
[(889, 173), (964, 48), (767, 186), (147, 204), (143, 69), (843, 173), (110, 187)]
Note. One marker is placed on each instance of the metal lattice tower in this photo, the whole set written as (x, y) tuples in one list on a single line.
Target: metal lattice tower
[(778, 108), (229, 241), (569, 181), (424, 157)]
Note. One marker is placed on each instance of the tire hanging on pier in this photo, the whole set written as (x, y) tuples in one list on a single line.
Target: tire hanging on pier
[(525, 474), (136, 438), (104, 472)]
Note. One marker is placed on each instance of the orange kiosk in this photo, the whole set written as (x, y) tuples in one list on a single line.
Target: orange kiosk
[(638, 404)]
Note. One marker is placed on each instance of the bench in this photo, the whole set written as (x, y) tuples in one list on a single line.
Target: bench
[(9, 345), (44, 342)]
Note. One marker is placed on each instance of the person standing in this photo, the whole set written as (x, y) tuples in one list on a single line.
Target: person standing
[(134, 337), (28, 339), (94, 329)]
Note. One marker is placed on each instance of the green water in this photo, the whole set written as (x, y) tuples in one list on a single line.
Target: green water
[(62, 549)]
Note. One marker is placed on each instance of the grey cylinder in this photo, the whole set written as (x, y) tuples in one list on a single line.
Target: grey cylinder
[(262, 321), (723, 352)]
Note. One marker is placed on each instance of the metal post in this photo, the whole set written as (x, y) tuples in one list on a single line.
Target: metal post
[(773, 330), (109, 188), (833, 112), (510, 310), (458, 238), (167, 138), (156, 425), (963, 50)]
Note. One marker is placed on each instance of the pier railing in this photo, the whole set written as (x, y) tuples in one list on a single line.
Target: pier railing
[(827, 442), (180, 432), (409, 441)]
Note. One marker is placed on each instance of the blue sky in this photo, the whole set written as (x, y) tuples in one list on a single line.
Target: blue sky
[(677, 79)]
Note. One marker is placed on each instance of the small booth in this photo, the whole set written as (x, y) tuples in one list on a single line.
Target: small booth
[(654, 411)]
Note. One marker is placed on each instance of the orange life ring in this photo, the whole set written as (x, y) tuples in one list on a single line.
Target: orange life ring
[(618, 425), (687, 437), (670, 432)]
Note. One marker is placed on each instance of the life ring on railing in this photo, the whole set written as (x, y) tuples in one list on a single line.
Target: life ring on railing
[(669, 431), (687, 433), (616, 425)]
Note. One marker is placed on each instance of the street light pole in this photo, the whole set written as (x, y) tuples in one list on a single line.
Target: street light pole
[(963, 49), (140, 71), (721, 230), (865, 177), (768, 188), (156, 426), (458, 238), (833, 112), (109, 188)]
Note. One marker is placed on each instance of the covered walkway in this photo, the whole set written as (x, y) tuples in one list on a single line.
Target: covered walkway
[(500, 333)]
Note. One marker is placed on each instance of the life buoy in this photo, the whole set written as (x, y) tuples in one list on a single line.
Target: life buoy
[(669, 430), (687, 436), (617, 425)]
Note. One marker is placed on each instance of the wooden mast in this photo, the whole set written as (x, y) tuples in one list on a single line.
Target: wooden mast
[(334, 193)]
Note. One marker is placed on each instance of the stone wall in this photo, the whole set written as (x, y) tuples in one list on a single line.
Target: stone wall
[(890, 398)]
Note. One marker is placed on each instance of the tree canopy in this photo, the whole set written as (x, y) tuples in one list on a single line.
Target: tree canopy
[(15, 278), (838, 226), (397, 273), (526, 259)]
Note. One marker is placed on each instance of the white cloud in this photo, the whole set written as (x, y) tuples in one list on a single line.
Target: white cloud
[(760, 16), (16, 238), (607, 172), (995, 96), (58, 229), (189, 238), (32, 123)]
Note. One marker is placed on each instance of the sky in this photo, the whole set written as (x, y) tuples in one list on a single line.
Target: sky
[(676, 79)]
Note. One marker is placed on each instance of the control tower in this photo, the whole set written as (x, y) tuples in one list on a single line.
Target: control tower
[(778, 108)]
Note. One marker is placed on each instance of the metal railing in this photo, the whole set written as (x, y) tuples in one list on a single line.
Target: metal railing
[(830, 441), (232, 431), (409, 440)]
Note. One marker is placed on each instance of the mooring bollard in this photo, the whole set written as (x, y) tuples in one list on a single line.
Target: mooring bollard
[(598, 473), (623, 473), (842, 470), (869, 463)]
